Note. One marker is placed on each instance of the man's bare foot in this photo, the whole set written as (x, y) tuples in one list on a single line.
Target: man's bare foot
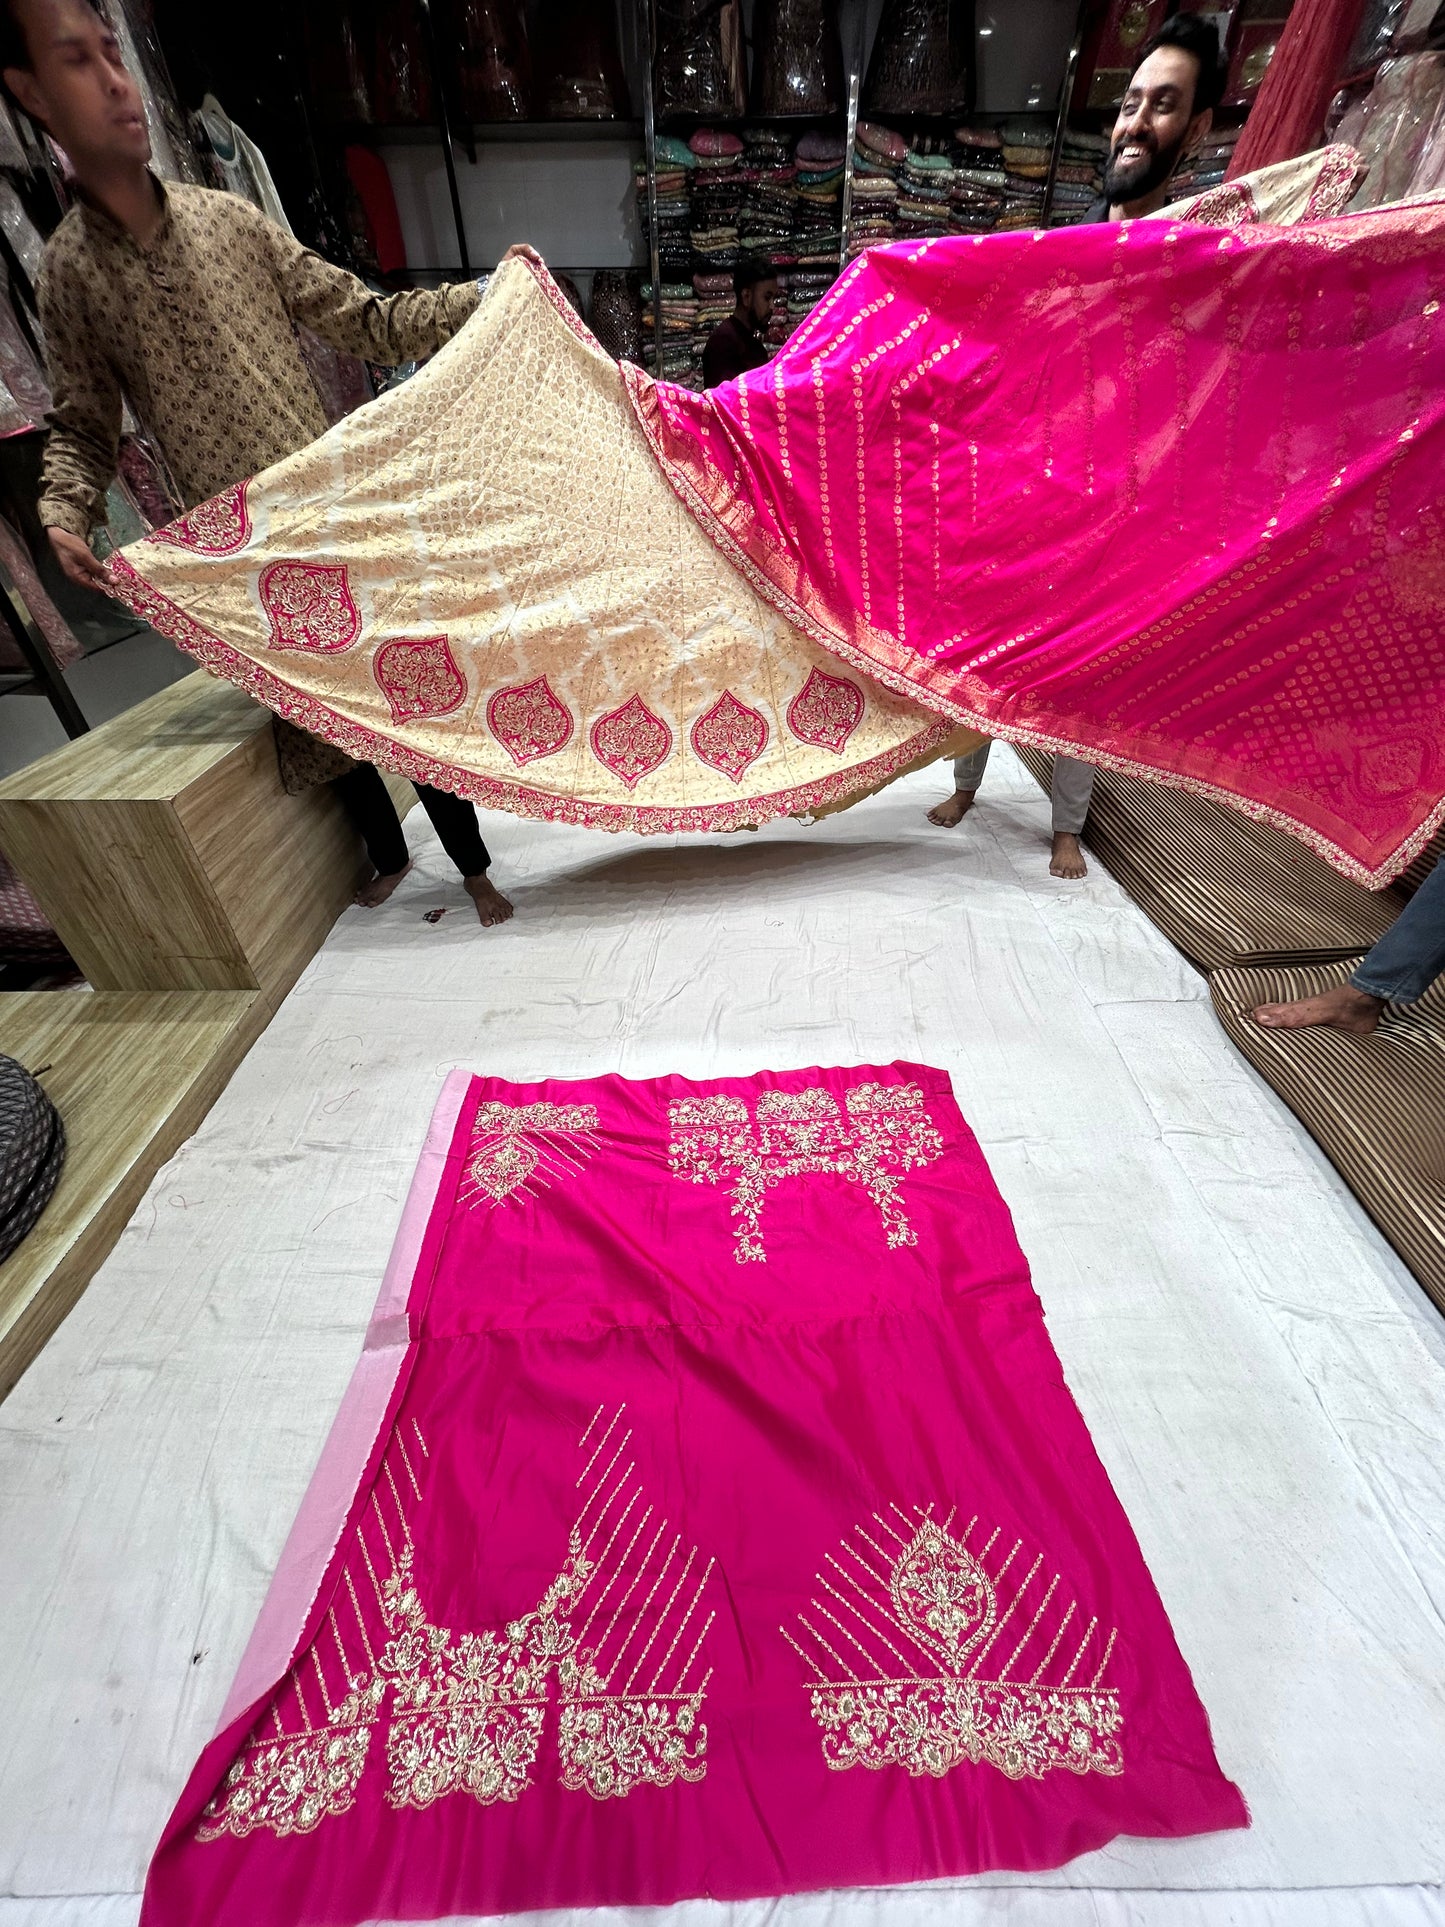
[(379, 888), (1066, 859), (492, 906), (952, 810), (1344, 1008)]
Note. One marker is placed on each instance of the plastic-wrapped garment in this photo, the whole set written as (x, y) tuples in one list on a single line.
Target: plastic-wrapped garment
[(581, 74), (1390, 126), (173, 156), (798, 66), (24, 392), (1429, 175), (617, 315), (699, 64), (336, 65), (920, 60), (403, 74), (496, 61), (18, 564)]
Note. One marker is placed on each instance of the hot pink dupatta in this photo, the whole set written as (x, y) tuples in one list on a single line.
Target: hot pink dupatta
[(708, 1515), (1167, 498)]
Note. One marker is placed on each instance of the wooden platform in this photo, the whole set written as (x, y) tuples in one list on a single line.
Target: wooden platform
[(132, 1074), (192, 891)]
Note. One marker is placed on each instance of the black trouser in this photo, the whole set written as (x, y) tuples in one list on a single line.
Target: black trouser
[(369, 805)]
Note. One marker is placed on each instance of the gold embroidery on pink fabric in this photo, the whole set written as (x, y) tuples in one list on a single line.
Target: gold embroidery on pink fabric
[(730, 736), (887, 1132), (826, 711), (221, 526), (310, 606), (290, 1785), (615, 1644), (525, 1148), (631, 741), (419, 677), (529, 721), (898, 1633)]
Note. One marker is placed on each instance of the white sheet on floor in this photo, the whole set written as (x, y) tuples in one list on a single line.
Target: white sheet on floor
[(1264, 1382)]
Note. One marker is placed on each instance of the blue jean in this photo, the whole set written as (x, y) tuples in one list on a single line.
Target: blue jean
[(1411, 954)]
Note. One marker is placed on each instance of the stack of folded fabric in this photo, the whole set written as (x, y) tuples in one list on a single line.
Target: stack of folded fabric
[(806, 288), (715, 302), (1027, 149), (680, 358), (1208, 167), (1080, 179), (818, 218), (718, 183), (770, 198), (879, 156), (674, 208), (925, 192), (784, 318), (980, 185)]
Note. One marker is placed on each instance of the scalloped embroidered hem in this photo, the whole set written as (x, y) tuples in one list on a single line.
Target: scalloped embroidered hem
[(152, 606)]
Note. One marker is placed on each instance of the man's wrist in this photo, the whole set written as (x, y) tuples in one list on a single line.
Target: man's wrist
[(70, 521)]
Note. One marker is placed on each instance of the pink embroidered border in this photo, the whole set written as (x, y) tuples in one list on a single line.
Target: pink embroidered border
[(369, 745)]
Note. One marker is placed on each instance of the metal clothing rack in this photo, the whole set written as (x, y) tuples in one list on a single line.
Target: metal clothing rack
[(45, 671)]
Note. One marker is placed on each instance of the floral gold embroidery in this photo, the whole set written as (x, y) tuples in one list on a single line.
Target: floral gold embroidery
[(310, 606), (730, 736), (419, 677), (826, 711), (520, 1148), (290, 1785), (528, 721), (887, 1132), (615, 1644), (903, 1631), (631, 741), (221, 526)]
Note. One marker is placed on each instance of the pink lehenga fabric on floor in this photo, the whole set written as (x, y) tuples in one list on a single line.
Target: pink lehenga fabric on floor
[(707, 1515), (1166, 498)]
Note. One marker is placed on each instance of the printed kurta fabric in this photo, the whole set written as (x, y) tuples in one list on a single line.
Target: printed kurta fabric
[(708, 1515), (1164, 498), (483, 581), (199, 331)]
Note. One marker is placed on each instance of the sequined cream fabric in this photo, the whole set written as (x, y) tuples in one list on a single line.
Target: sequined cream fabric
[(484, 582)]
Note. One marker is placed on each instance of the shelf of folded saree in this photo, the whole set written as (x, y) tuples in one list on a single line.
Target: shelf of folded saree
[(763, 190)]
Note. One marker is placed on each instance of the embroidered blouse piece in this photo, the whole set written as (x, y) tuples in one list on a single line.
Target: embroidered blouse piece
[(1156, 494), (707, 1515)]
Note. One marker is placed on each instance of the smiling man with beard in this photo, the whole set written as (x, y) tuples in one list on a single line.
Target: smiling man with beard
[(1166, 112)]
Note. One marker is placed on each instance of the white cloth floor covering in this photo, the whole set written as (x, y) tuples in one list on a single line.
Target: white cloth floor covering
[(1264, 1381)]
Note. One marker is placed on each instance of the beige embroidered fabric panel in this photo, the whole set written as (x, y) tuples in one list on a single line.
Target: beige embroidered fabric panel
[(483, 581)]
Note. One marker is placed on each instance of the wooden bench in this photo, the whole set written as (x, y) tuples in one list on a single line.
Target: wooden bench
[(192, 891)]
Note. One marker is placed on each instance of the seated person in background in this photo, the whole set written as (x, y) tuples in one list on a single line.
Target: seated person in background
[(1166, 112), (736, 345), (1398, 970), (187, 300)]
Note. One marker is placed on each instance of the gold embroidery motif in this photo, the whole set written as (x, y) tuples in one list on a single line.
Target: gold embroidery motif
[(888, 1131), (526, 1147), (920, 1617), (290, 1785), (615, 1643)]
